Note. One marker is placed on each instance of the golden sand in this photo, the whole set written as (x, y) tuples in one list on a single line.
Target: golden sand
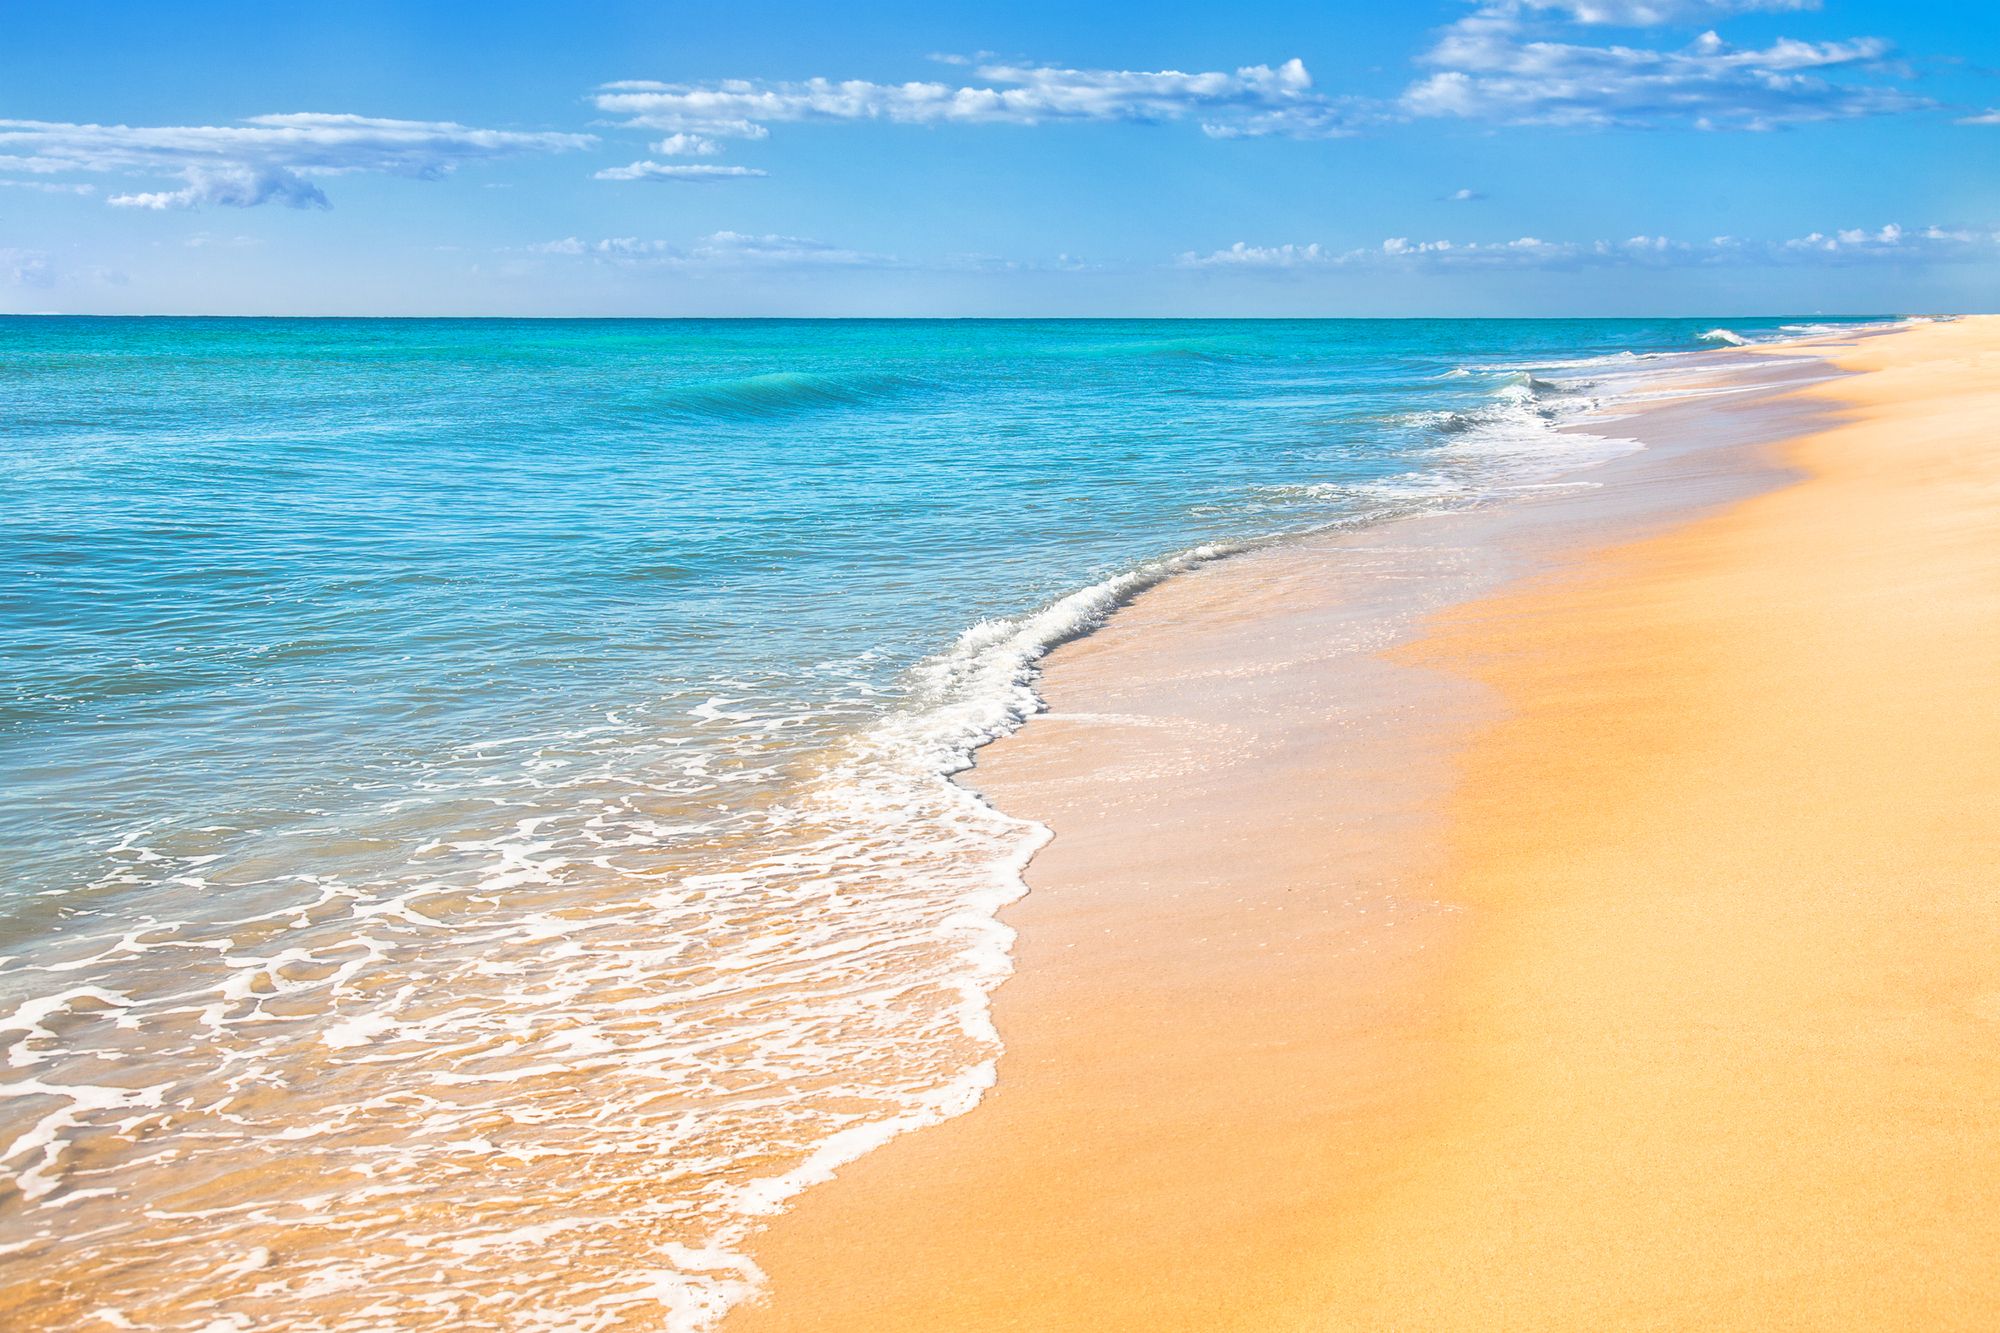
[(1625, 953)]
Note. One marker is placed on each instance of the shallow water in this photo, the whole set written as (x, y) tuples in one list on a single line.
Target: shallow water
[(477, 796)]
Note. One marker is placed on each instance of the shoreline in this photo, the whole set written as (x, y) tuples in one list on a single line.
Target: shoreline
[(758, 1029), (1126, 755)]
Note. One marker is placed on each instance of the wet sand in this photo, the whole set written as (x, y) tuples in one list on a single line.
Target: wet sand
[(1578, 913)]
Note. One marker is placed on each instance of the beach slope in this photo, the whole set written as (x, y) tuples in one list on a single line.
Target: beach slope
[(1621, 950)]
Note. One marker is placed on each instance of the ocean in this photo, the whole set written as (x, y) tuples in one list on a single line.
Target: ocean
[(478, 832)]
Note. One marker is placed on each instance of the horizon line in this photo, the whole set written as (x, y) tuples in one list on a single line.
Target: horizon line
[(942, 319)]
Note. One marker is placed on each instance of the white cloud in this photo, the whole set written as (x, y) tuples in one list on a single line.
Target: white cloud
[(265, 159), (1983, 118), (1524, 251), (687, 145), (1892, 242), (235, 187), (1504, 61), (1849, 245), (1253, 100), (674, 171), (1243, 255), (1491, 66), (1464, 196)]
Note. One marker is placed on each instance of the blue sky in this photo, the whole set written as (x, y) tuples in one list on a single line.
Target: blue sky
[(1507, 157)]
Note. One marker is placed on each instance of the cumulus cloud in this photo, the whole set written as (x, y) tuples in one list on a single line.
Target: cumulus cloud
[(1847, 245), (1252, 100), (687, 145), (236, 187), (1492, 65), (674, 171), (1517, 62), (1244, 255), (265, 159), (1892, 242)]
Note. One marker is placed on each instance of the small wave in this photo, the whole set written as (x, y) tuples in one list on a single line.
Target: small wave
[(1219, 350), (1846, 328), (1728, 337), (776, 394), (1534, 386), (1526, 429), (1358, 503), (1521, 392), (1609, 360), (982, 687)]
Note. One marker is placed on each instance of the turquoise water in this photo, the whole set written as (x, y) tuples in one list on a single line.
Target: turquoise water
[(434, 743)]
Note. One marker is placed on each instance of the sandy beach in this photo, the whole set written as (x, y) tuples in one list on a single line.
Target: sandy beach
[(1574, 914), (1091, 668)]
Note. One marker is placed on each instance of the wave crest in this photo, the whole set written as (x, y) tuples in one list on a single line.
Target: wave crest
[(776, 394)]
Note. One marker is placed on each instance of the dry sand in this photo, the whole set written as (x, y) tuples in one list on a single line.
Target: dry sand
[(1617, 948)]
